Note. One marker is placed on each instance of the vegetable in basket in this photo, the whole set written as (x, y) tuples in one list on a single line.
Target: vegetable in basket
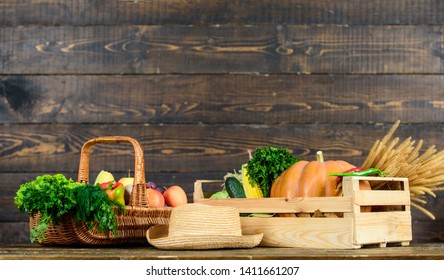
[(53, 196), (115, 191)]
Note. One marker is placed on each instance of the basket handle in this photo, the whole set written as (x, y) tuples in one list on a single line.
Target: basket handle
[(138, 195)]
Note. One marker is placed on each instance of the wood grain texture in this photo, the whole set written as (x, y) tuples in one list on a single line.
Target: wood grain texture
[(228, 99), (190, 148), (383, 227), (15, 232), (84, 12), (325, 233), (29, 251), (295, 49)]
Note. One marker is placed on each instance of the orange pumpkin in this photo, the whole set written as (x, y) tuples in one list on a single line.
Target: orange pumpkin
[(311, 179)]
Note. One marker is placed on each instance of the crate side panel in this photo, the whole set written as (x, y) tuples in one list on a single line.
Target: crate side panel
[(301, 232), (382, 227)]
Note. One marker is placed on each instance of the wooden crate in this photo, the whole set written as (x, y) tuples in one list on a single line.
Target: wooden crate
[(342, 225)]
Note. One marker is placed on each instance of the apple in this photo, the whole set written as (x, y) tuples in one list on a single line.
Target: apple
[(128, 183), (155, 198), (175, 196)]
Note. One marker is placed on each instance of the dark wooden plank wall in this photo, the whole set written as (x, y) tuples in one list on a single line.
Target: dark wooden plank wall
[(199, 83)]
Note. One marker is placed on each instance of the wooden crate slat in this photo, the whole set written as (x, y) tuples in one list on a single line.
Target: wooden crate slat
[(371, 228), (365, 198), (302, 232)]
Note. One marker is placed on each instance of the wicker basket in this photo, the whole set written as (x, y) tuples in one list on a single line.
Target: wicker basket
[(131, 225)]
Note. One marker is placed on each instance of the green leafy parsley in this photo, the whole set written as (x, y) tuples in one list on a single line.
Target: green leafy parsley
[(53, 196), (95, 208), (266, 164)]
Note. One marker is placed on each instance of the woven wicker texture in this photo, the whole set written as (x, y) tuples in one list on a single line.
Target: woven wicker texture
[(199, 226), (132, 225)]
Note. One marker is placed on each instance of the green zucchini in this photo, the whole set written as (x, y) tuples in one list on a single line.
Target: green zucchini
[(234, 188)]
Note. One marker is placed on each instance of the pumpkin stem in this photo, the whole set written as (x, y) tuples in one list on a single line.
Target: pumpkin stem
[(319, 156)]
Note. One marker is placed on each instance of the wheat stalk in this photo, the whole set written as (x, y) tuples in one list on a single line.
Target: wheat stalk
[(425, 171)]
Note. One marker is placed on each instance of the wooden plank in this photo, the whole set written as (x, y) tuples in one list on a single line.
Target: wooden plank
[(273, 205), (382, 198), (371, 228), (14, 232), (231, 99), (426, 231), (301, 232), (282, 205), (30, 251), (190, 148), (83, 12), (141, 49), (377, 197)]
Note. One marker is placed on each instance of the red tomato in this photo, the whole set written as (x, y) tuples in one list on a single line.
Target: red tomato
[(175, 196), (155, 198)]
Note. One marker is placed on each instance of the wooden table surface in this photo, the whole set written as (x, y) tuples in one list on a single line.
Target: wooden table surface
[(433, 251)]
